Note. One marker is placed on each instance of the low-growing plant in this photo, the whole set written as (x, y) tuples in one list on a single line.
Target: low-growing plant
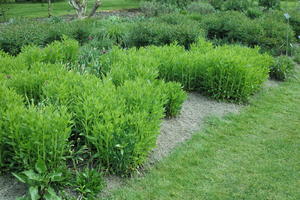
[(269, 4), (88, 183), (40, 182), (153, 8), (152, 33), (238, 5), (282, 67), (202, 8)]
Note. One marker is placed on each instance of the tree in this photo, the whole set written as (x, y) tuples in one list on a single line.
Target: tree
[(4, 7), (81, 5)]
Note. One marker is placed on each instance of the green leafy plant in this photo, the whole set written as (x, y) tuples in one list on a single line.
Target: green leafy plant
[(40, 182), (200, 8), (269, 4), (282, 67), (88, 183)]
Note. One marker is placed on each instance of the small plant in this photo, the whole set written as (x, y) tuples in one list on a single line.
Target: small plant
[(88, 183), (282, 67), (40, 182)]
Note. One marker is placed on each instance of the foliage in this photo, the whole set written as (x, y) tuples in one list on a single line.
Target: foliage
[(282, 67), (232, 26), (200, 8), (269, 4), (178, 3), (153, 33), (229, 72), (40, 182), (154, 8), (267, 32), (88, 183), (238, 5)]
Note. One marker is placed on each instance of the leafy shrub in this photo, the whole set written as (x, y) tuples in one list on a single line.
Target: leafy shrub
[(275, 36), (35, 133), (151, 33), (65, 51), (295, 21), (200, 8), (178, 3), (10, 65), (217, 4), (175, 97), (254, 12), (282, 67), (238, 5), (296, 54), (17, 35), (153, 8), (235, 27), (232, 26), (229, 72), (269, 3)]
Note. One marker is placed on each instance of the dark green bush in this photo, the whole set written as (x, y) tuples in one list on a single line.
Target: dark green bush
[(269, 3), (282, 67), (178, 3), (153, 8), (153, 33), (254, 12), (238, 5), (277, 36), (200, 8), (233, 26)]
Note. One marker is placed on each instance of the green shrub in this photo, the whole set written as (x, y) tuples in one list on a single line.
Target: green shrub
[(153, 33), (217, 4), (10, 65), (200, 8), (235, 27), (238, 5), (232, 26), (229, 72), (175, 97), (282, 67), (65, 51), (153, 8), (35, 133), (295, 21), (178, 3), (276, 34), (296, 54), (254, 12), (269, 3)]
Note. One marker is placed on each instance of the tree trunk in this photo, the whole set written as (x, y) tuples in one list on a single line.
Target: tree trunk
[(49, 8), (96, 6)]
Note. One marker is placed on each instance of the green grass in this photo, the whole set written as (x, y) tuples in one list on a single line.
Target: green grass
[(253, 155), (63, 8), (289, 4)]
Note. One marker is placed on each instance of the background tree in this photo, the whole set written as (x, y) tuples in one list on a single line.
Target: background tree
[(81, 5)]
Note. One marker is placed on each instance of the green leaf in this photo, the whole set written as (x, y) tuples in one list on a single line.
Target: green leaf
[(51, 195), (40, 166), (32, 175), (56, 177), (19, 177), (34, 193)]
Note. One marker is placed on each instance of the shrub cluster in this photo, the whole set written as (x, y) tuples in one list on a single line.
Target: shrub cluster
[(154, 33), (228, 72), (233, 26)]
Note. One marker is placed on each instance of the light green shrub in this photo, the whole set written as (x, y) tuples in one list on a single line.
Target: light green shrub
[(228, 72), (200, 8)]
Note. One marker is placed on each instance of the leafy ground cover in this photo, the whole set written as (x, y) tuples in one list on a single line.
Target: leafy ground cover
[(63, 8), (254, 155)]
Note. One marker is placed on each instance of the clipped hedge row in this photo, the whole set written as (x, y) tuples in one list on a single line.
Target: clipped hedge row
[(225, 72)]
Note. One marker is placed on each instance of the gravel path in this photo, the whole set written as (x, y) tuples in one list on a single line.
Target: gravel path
[(173, 132)]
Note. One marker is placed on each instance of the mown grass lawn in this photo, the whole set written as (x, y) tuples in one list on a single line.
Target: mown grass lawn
[(253, 155), (63, 8)]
